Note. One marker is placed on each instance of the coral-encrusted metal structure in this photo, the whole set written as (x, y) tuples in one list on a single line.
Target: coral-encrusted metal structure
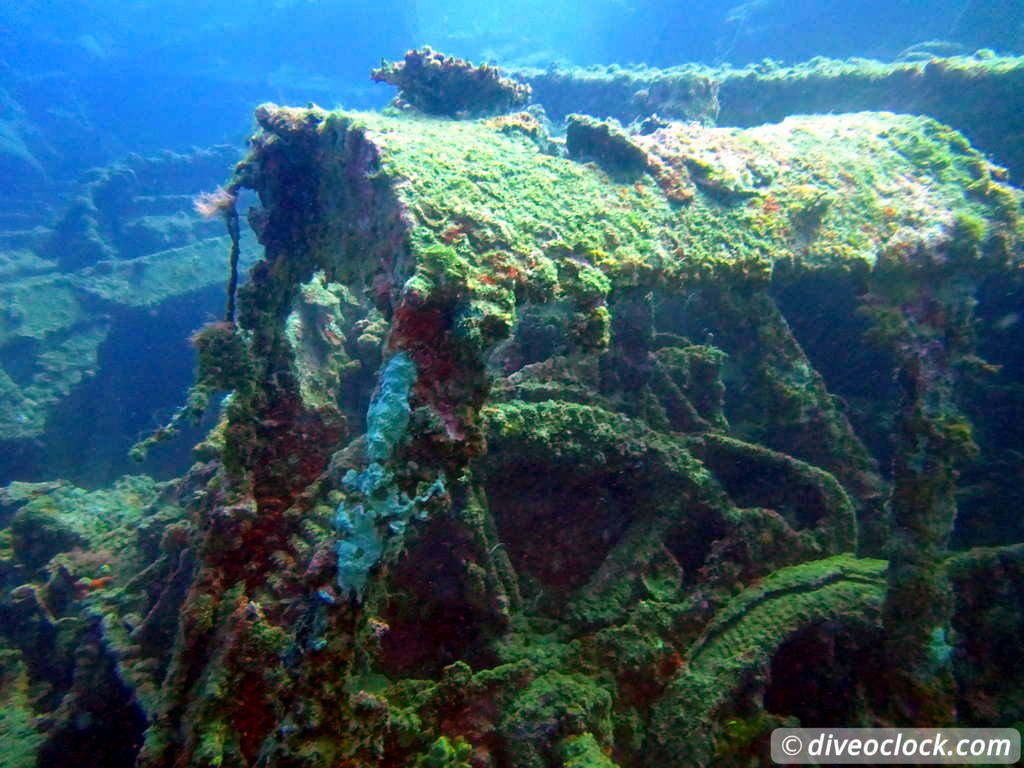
[(585, 460)]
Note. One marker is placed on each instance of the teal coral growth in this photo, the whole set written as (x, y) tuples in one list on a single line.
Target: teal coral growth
[(388, 415), (362, 543)]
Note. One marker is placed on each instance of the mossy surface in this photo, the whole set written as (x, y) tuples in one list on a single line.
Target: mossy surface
[(21, 739), (827, 191), (978, 94), (744, 634), (754, 622)]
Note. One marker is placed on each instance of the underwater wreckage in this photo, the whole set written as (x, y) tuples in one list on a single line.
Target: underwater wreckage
[(622, 452)]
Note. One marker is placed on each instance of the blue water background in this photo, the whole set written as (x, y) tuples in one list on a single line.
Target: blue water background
[(154, 74)]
